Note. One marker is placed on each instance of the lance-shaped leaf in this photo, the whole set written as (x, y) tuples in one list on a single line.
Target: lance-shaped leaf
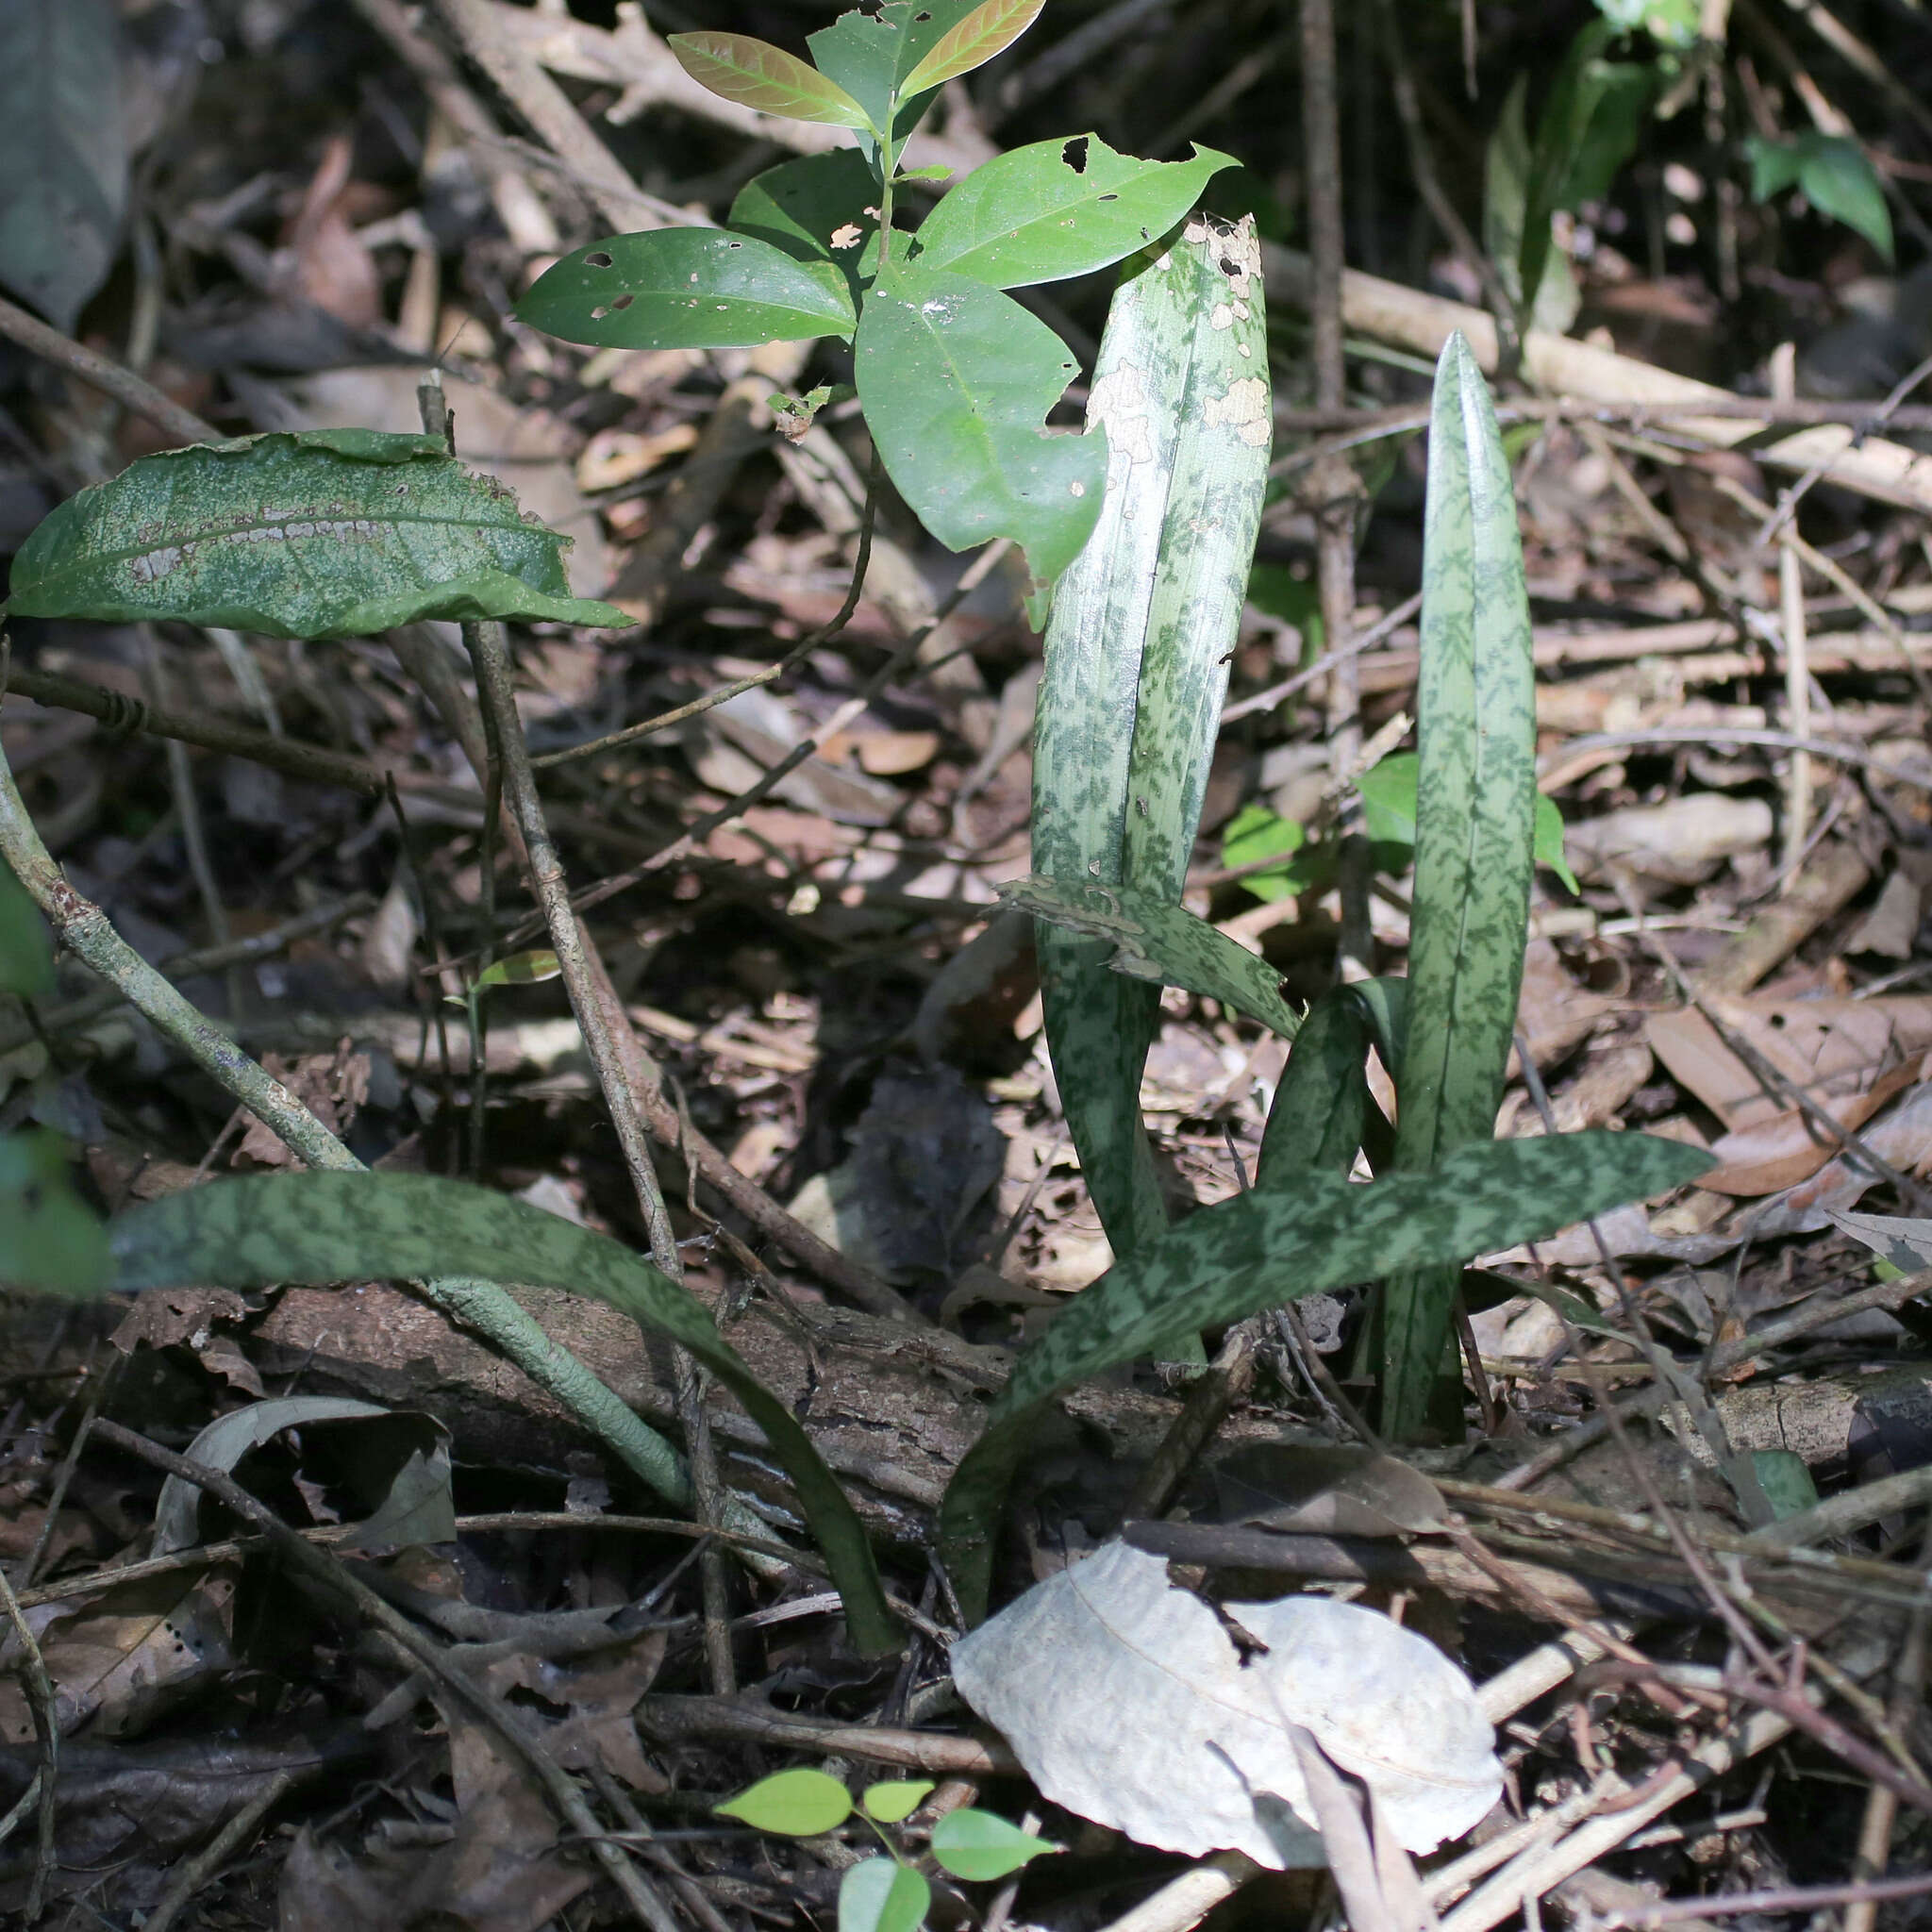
[(1153, 939), (318, 1228), (988, 30), (1322, 1113), (1263, 1248), (327, 533), (1475, 823), (872, 54), (1058, 209), (956, 379), (687, 289), (1134, 678), (757, 74), (818, 209)]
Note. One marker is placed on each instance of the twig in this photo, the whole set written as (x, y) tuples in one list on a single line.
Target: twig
[(39, 1688), (193, 1873), (1359, 642), (1733, 734), (1791, 608), (56, 1496), (1808, 1899), (750, 1720), (104, 373), (335, 1582)]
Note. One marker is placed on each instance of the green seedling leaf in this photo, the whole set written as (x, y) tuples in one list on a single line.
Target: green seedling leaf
[(51, 1240), (1786, 1480), (956, 379), (688, 289), (1388, 794), (325, 533), (1058, 209), (62, 152), (1155, 939), (1475, 820), (1137, 650), (1832, 173), (1276, 589), (987, 30), (1670, 22), (872, 54), (1266, 1247), (800, 1804), (27, 955), (1256, 833), (939, 171), (520, 969), (896, 1800), (819, 208), (318, 1228), (882, 1895), (977, 1845), (1505, 191), (757, 74)]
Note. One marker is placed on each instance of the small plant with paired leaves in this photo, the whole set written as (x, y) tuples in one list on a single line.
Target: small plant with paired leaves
[(888, 1894), (954, 376)]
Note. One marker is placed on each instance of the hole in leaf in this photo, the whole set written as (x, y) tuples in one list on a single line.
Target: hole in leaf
[(921, 17), (1109, 197), (1074, 154), (600, 260), (1231, 268), (624, 301), (733, 244)]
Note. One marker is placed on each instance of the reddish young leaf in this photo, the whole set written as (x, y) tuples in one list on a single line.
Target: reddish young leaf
[(757, 74)]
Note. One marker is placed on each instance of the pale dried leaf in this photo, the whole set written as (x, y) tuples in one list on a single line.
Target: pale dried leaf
[(1323, 1491), (1087, 1666)]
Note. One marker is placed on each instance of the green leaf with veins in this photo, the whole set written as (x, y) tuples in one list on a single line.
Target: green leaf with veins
[(758, 75), (688, 289), (1058, 209), (320, 1228), (988, 30), (818, 209), (956, 381), (1153, 939), (1261, 1248), (872, 55), (325, 533), (1388, 792)]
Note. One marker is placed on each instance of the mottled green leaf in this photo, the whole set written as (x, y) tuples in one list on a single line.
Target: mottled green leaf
[(62, 152), (327, 533), (956, 379), (1141, 626), (818, 209), (688, 289), (882, 1895), (1388, 792), (318, 1228), (898, 1799), (1266, 1247), (757, 74), (801, 1804), (50, 1239), (1058, 209), (27, 955), (1153, 939), (1322, 1113), (988, 30), (1834, 175), (978, 1845), (1475, 819)]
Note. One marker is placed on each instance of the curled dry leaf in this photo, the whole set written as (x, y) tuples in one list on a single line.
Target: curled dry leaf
[(1087, 1666)]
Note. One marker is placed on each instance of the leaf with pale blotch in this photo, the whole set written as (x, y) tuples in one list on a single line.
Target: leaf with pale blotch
[(1474, 839), (956, 379), (1061, 207), (754, 73), (324, 533), (320, 1228), (987, 30), (1136, 649), (687, 289), (817, 208), (1156, 940), (1265, 1247)]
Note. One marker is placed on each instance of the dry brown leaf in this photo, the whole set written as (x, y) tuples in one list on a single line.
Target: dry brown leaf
[(164, 1317), (329, 265), (332, 1085), (614, 458), (1680, 841)]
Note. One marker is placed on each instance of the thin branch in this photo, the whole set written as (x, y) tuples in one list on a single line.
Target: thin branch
[(104, 373)]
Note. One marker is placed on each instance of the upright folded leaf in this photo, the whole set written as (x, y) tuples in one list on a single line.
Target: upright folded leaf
[(989, 30), (956, 379), (757, 74), (319, 1228), (873, 54), (1475, 823), (688, 289), (1135, 674), (325, 533), (1260, 1248)]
